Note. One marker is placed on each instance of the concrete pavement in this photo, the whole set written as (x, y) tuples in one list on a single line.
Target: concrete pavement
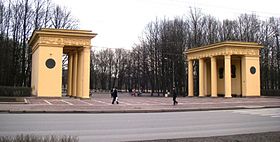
[(101, 103)]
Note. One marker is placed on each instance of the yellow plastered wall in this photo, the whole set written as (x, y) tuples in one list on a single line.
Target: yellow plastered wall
[(49, 80), (250, 82)]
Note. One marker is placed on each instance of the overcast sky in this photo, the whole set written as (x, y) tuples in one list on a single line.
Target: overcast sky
[(119, 23)]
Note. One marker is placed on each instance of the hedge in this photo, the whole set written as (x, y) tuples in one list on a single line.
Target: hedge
[(8, 91), (270, 92), (35, 138)]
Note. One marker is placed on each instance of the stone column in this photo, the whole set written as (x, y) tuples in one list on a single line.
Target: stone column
[(243, 75), (74, 74), (69, 80), (80, 74), (86, 72), (190, 78), (213, 77), (201, 77), (227, 69)]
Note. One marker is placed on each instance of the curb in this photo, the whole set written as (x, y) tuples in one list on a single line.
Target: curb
[(134, 110), (25, 101)]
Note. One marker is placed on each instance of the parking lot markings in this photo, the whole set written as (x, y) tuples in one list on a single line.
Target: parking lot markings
[(86, 102), (126, 103), (48, 102), (101, 102), (67, 102)]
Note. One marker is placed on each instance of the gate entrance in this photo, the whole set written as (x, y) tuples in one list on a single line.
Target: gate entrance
[(226, 68), (48, 47)]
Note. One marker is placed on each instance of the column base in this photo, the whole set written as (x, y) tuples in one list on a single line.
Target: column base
[(85, 98)]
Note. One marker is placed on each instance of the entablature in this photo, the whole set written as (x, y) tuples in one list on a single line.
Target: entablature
[(224, 48)]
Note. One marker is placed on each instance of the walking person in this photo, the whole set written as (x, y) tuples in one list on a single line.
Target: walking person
[(174, 93), (114, 94)]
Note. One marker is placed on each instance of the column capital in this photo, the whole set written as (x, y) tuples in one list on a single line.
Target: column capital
[(200, 59), (213, 58), (70, 53), (227, 55), (87, 47)]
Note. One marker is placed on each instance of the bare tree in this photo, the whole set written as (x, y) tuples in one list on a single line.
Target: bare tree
[(62, 19), (18, 18)]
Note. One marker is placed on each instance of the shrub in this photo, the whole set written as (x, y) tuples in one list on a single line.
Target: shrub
[(33, 138), (8, 91)]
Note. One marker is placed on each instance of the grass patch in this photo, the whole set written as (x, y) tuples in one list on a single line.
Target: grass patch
[(33, 138)]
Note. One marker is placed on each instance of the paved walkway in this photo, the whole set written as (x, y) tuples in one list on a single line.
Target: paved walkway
[(100, 103)]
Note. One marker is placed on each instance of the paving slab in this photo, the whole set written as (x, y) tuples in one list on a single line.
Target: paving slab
[(101, 103)]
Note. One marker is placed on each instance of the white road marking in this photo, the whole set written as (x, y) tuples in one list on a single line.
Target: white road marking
[(272, 112), (126, 103), (48, 102), (101, 102), (66, 102), (152, 102), (251, 106), (276, 115), (86, 102)]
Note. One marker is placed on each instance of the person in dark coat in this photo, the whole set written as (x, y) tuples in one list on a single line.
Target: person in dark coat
[(114, 94), (174, 93)]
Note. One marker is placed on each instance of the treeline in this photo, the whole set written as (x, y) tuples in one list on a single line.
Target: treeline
[(157, 62), (18, 19)]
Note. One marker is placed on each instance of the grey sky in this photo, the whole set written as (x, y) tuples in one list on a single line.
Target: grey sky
[(119, 23)]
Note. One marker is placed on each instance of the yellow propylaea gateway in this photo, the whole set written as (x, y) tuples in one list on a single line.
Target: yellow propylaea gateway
[(226, 68), (48, 46)]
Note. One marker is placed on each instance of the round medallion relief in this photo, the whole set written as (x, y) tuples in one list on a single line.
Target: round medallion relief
[(253, 70), (50, 63)]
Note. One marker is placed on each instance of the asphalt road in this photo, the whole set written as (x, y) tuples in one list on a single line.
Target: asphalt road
[(142, 126)]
